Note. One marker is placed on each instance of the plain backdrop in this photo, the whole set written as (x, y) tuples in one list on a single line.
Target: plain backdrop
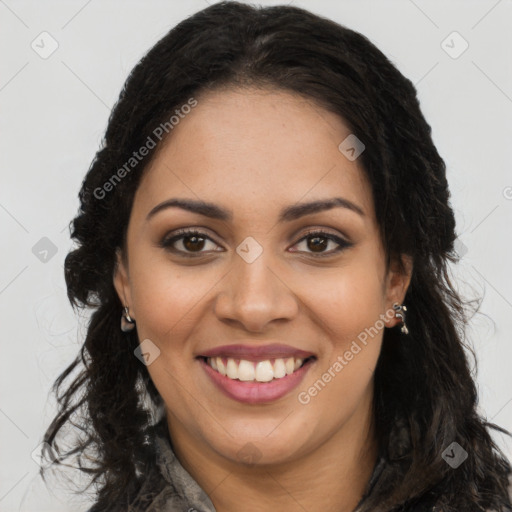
[(54, 110)]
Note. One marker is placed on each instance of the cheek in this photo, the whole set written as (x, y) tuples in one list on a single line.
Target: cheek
[(168, 303), (167, 300), (352, 329), (347, 300), (348, 305)]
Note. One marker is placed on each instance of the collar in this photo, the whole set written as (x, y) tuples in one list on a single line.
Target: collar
[(182, 492)]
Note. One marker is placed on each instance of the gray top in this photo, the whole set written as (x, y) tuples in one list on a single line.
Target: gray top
[(170, 488)]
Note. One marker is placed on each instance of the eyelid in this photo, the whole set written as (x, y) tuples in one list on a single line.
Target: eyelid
[(180, 233), (342, 242), (167, 241), (324, 231)]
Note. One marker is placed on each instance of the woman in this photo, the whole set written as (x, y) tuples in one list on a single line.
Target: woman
[(264, 238)]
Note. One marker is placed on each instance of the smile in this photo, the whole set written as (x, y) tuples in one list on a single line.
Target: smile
[(255, 371), (256, 374)]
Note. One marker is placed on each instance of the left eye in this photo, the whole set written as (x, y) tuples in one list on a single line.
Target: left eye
[(319, 240), (193, 243)]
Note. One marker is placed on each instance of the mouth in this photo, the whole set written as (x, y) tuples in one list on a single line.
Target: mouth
[(256, 375), (255, 371)]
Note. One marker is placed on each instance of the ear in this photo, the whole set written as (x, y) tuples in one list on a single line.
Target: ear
[(396, 283), (122, 281)]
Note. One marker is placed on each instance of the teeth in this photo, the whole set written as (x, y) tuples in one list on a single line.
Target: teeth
[(262, 371), (279, 369), (232, 369), (220, 365), (246, 370)]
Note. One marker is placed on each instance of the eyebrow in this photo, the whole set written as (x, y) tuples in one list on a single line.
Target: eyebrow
[(286, 215)]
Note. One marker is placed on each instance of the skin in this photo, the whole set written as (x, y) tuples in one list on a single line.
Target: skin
[(254, 152)]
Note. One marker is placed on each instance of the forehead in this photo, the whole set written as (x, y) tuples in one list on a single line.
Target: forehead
[(243, 147)]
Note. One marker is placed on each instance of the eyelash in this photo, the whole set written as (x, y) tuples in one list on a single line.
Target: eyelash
[(167, 243)]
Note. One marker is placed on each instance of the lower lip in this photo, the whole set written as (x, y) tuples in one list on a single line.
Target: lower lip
[(256, 392)]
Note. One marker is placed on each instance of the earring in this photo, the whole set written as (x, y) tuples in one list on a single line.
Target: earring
[(127, 322), (400, 313)]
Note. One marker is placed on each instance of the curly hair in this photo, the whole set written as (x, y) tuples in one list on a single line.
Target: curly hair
[(424, 398)]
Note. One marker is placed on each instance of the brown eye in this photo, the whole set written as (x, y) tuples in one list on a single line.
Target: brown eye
[(193, 242), (318, 241), (188, 243)]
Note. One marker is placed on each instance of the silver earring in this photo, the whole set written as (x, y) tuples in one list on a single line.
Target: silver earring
[(127, 322), (400, 313)]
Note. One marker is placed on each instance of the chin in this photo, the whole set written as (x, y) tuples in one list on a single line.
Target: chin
[(260, 449)]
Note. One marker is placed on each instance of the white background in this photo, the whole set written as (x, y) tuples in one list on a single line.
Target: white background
[(54, 113)]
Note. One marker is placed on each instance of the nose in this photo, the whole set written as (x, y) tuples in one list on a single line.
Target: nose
[(255, 294)]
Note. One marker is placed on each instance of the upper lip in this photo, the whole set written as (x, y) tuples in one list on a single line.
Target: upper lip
[(257, 353)]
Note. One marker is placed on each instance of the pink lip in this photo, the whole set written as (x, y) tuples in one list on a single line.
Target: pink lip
[(257, 353), (256, 392)]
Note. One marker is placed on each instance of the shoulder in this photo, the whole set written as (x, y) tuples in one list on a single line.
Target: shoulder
[(152, 494)]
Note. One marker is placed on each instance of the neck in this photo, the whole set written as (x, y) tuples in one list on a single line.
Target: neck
[(332, 477)]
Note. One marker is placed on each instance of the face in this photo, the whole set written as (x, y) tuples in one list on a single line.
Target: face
[(289, 300)]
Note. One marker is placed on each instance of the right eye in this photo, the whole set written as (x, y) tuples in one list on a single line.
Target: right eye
[(192, 243)]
